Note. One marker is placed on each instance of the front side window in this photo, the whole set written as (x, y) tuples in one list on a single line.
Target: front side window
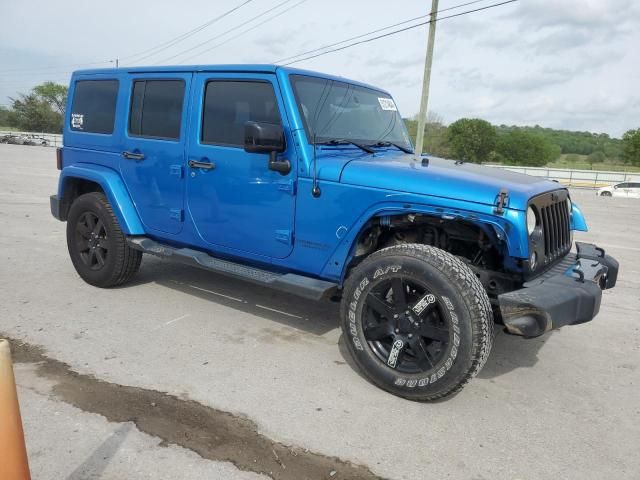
[(93, 109), (229, 104), (156, 109), (334, 110)]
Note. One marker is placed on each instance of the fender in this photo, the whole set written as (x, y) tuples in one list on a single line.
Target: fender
[(114, 189), (504, 226), (578, 221)]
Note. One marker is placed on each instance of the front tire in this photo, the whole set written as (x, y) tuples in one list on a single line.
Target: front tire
[(417, 321), (97, 247)]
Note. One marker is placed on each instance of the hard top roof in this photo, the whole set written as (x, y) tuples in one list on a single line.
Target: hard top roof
[(235, 68)]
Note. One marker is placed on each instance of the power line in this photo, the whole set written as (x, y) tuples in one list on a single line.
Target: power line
[(376, 31), (165, 44), (224, 33), (245, 31), (397, 31), (184, 36)]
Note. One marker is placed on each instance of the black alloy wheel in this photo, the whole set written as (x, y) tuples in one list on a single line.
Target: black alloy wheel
[(405, 325), (92, 241)]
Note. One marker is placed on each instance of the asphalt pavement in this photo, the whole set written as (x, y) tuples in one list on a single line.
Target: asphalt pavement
[(565, 405)]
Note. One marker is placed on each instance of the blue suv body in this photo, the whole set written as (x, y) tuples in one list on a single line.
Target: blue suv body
[(307, 183)]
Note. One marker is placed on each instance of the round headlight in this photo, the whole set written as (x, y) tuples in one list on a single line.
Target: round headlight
[(532, 220)]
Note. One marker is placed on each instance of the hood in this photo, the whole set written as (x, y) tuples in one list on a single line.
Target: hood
[(443, 178)]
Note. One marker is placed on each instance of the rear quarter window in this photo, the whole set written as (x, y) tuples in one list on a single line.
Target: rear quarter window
[(93, 109)]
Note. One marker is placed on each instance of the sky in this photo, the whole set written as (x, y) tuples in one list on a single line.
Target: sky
[(571, 64)]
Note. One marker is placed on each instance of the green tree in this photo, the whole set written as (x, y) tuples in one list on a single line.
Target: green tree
[(524, 148), (631, 147), (41, 110), (54, 94), (436, 141), (596, 157), (5, 117), (31, 113), (472, 139)]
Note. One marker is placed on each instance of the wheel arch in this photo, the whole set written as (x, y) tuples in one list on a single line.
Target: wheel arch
[(515, 244), (76, 180)]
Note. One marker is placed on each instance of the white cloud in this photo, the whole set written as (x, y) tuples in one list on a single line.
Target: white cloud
[(561, 63)]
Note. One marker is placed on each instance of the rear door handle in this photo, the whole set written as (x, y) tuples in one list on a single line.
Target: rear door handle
[(133, 155), (199, 164)]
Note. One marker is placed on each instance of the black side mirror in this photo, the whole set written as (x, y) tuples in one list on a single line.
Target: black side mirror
[(261, 137)]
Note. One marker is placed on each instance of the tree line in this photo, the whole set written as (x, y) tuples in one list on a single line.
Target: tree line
[(469, 139), (478, 141)]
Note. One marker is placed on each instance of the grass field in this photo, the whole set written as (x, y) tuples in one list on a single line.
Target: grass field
[(582, 164), (7, 129)]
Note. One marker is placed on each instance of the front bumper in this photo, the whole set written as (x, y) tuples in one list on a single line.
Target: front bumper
[(567, 294)]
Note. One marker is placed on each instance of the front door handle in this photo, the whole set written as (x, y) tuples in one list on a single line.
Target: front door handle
[(199, 164), (133, 155)]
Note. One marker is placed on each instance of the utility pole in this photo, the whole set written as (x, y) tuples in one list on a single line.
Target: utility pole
[(116, 62), (426, 79)]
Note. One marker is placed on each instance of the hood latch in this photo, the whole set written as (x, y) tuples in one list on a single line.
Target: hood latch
[(501, 201)]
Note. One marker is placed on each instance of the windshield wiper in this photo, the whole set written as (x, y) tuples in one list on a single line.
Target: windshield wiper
[(336, 141), (391, 144)]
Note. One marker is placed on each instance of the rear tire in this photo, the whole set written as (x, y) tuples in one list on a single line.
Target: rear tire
[(417, 321), (97, 247)]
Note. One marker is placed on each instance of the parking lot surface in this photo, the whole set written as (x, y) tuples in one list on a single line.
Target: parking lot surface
[(565, 405)]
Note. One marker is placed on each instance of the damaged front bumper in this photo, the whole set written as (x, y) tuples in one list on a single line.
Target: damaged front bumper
[(568, 294)]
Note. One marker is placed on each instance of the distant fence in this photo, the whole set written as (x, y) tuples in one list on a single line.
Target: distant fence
[(574, 178), (54, 140)]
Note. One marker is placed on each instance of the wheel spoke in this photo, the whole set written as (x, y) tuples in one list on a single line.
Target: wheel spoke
[(423, 358), (83, 229), (103, 244), (99, 254), (434, 333), (377, 332), (396, 353), (399, 293), (425, 305), (91, 257), (98, 227), (380, 306)]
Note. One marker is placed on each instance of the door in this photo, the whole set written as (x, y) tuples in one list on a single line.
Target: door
[(235, 200), (152, 162)]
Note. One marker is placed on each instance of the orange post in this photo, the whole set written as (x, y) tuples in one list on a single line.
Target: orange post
[(13, 452)]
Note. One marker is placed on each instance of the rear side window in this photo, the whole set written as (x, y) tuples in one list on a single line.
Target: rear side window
[(156, 109), (228, 105), (93, 109)]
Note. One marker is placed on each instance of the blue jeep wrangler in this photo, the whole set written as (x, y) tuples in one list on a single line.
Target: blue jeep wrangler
[(308, 183)]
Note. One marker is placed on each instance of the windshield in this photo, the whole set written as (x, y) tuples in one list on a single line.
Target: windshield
[(333, 110)]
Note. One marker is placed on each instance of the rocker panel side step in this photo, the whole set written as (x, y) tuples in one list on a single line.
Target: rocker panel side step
[(308, 287)]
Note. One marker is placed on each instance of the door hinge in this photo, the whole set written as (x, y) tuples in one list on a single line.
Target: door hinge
[(176, 170), (176, 214), (283, 236), (288, 186)]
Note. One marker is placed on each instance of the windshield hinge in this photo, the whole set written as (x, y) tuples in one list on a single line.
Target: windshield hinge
[(501, 201)]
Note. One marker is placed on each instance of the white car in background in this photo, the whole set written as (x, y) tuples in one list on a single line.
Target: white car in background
[(625, 190)]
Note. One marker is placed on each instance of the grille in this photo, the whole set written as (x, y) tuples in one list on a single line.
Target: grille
[(555, 228), (554, 238)]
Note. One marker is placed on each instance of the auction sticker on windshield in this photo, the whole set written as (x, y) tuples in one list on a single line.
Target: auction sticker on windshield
[(387, 104)]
